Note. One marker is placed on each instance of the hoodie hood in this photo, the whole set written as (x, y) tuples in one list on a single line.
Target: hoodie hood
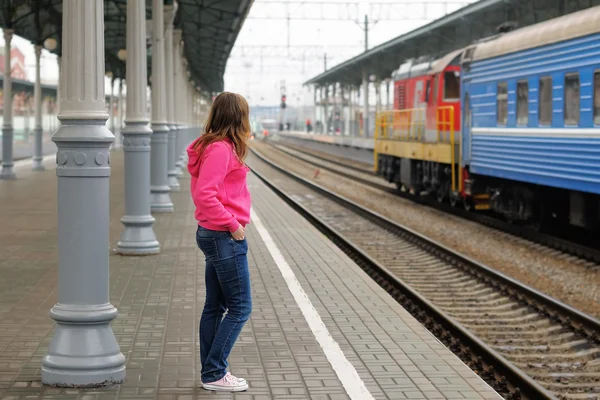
[(193, 160)]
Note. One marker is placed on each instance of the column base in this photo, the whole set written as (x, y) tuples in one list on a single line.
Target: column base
[(84, 351), (7, 173), (37, 158), (138, 238), (173, 182), (179, 168), (38, 165), (160, 201)]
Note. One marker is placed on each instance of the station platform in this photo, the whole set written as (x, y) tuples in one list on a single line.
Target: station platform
[(352, 147), (320, 327)]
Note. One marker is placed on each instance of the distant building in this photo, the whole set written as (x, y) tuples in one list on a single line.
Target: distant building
[(17, 63)]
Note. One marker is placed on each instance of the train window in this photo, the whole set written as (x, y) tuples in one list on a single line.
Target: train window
[(572, 99), (522, 102), (597, 97), (545, 101), (451, 85), (502, 106)]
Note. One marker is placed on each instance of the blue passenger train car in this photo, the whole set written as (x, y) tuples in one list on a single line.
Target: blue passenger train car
[(531, 120)]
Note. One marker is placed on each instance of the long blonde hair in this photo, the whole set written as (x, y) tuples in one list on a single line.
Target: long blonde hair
[(229, 118)]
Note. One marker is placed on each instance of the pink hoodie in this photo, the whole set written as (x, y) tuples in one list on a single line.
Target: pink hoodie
[(219, 188)]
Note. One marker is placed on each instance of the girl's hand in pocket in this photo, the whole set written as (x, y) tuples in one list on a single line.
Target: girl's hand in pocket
[(240, 234)]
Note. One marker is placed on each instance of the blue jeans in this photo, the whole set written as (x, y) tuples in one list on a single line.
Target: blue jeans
[(227, 281)]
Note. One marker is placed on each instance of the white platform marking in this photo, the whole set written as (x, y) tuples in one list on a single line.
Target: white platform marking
[(355, 387)]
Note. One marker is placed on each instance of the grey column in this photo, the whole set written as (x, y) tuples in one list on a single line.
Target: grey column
[(377, 85), (193, 126), (112, 105), (316, 110), (186, 116), (117, 132), (365, 89), (37, 99), (26, 118), (178, 100), (58, 87), (172, 151), (84, 350), (185, 139), (7, 126), (196, 113), (387, 94), (160, 200), (352, 111), (325, 97), (138, 237), (345, 110)]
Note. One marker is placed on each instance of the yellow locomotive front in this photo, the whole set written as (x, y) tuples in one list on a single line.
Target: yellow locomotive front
[(419, 149)]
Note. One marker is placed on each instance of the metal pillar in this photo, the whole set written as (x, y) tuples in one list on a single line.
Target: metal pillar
[(332, 105), (183, 139), (324, 91), (7, 126), (117, 132), (173, 152), (84, 350), (138, 237), (377, 96), (185, 84), (112, 105), (348, 109), (160, 200), (193, 127), (387, 94), (177, 101), (195, 109), (26, 116), (356, 111), (37, 98), (316, 109), (59, 64), (365, 90), (323, 111), (187, 109)]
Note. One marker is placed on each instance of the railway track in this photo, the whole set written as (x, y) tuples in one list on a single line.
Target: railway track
[(369, 178), (522, 342)]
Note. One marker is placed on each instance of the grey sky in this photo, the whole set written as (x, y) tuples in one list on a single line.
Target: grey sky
[(340, 39)]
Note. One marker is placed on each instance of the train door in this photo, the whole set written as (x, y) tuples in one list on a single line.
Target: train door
[(432, 103), (417, 118)]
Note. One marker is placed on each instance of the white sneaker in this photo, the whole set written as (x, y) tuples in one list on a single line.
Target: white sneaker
[(241, 380), (228, 383)]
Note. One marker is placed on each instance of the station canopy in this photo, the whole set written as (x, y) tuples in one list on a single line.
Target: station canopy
[(451, 32), (209, 30)]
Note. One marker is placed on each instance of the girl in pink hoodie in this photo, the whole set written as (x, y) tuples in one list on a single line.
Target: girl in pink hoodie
[(220, 193)]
